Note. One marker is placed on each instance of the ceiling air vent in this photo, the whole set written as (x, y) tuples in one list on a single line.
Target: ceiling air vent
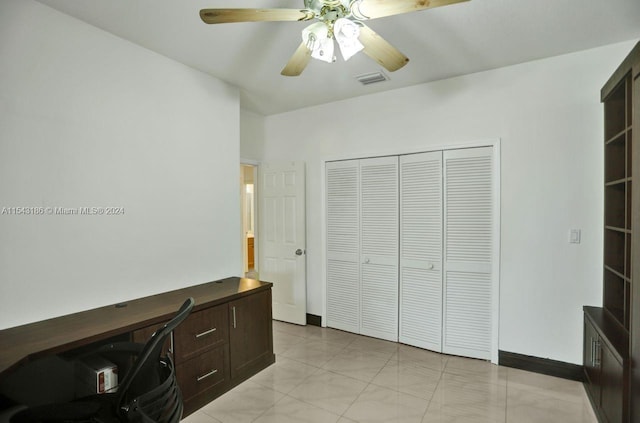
[(372, 78)]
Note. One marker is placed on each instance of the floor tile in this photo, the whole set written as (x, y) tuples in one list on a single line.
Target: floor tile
[(242, 404), (284, 375), (381, 405), (283, 341), (409, 379), (528, 406), (199, 417), (291, 410), (367, 343), (420, 357), (567, 390), (359, 364), (466, 398), (313, 351), (330, 391)]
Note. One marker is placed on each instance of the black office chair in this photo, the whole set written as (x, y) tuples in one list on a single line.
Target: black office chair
[(148, 393)]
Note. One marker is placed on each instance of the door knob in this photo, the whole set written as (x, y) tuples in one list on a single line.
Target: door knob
[(299, 252)]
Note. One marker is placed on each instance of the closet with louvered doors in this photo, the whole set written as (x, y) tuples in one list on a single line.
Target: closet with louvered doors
[(424, 230), (362, 246), (447, 298)]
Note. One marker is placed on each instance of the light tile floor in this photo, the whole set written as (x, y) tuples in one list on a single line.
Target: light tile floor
[(325, 375)]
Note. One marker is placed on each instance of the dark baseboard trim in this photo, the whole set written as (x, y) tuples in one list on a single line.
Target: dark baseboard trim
[(314, 320), (541, 365)]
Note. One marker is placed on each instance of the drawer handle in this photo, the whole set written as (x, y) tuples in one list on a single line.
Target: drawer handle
[(211, 373), (206, 332)]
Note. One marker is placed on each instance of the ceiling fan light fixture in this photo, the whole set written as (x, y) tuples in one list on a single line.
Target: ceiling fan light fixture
[(346, 33), (316, 38)]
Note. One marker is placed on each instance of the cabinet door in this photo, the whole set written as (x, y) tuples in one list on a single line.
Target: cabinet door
[(250, 334), (612, 382), (591, 369)]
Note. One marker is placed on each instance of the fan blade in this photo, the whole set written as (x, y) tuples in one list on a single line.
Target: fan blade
[(372, 9), (216, 16), (298, 61), (380, 50)]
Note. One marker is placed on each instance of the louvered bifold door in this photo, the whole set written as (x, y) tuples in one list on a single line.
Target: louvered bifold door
[(343, 245), (379, 247), (468, 252), (421, 250)]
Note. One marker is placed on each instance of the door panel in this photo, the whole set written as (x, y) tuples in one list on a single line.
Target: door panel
[(468, 252), (282, 233), (379, 247), (343, 245), (421, 250)]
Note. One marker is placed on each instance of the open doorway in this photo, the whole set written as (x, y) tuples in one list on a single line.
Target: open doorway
[(248, 176)]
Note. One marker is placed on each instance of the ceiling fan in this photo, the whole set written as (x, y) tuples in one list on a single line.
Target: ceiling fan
[(341, 20)]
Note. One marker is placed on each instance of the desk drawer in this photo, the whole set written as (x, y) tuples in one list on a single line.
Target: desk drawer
[(201, 331), (203, 373)]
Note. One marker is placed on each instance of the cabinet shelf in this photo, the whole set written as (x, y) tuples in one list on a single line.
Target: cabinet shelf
[(620, 275), (618, 182), (618, 229), (618, 135), (611, 335)]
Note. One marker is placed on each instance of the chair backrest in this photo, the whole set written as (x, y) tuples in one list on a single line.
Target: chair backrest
[(150, 364), (160, 405)]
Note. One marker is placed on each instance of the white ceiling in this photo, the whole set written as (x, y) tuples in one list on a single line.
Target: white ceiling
[(443, 42)]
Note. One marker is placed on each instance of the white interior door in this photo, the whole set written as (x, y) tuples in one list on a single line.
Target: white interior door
[(469, 223), (282, 238), (421, 250), (379, 247)]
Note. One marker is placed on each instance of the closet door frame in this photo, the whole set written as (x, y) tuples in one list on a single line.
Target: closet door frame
[(495, 144)]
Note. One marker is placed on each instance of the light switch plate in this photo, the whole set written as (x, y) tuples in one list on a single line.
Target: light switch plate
[(574, 236)]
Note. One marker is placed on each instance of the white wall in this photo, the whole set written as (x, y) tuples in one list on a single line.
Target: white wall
[(548, 116), (88, 119), (251, 135)]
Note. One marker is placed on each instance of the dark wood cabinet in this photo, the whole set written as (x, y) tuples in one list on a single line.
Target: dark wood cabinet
[(201, 355), (612, 382), (251, 342), (211, 355), (635, 244), (606, 349), (218, 347), (591, 366), (612, 332)]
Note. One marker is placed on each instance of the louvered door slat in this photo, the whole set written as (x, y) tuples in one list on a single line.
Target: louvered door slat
[(420, 307), (468, 252), (343, 245)]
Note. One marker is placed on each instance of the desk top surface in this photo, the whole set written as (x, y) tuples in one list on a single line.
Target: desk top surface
[(23, 343)]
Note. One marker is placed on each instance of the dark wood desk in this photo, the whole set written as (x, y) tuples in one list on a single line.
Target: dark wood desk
[(24, 344)]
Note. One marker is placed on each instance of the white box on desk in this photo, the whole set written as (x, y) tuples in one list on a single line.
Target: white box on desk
[(95, 375)]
